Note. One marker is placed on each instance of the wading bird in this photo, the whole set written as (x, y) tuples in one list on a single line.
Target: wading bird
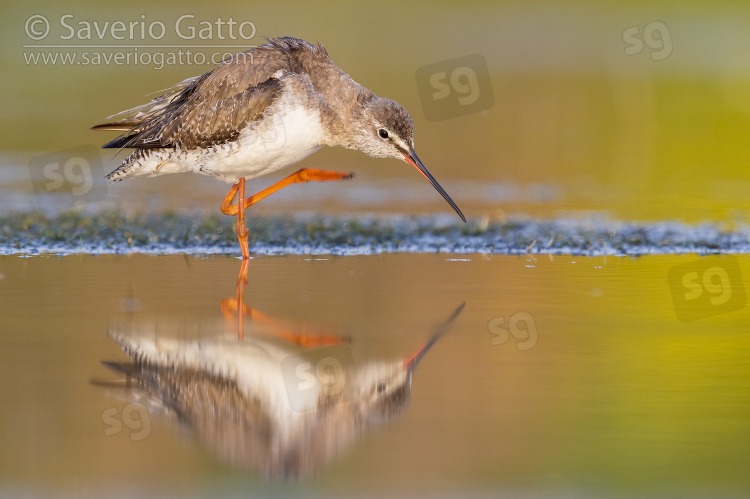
[(257, 112)]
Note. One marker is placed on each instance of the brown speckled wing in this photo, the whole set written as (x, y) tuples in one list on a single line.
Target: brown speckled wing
[(212, 109)]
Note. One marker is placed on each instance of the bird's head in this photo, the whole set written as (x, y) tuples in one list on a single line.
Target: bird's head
[(383, 129)]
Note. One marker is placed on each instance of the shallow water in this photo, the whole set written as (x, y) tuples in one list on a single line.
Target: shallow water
[(576, 369), (562, 375)]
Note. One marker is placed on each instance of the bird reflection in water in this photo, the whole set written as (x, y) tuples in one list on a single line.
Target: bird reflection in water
[(235, 311), (268, 403)]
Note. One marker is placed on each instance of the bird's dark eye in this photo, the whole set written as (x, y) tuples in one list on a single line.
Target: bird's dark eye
[(381, 386), (383, 133)]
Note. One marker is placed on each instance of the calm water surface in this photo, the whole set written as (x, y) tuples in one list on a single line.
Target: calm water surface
[(561, 376)]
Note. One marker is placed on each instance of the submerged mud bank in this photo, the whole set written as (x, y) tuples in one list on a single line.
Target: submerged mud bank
[(33, 233)]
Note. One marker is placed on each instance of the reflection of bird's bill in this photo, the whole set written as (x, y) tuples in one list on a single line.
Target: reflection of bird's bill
[(411, 361), (414, 161)]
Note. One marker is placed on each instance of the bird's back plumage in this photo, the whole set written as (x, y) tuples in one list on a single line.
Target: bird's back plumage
[(210, 112)]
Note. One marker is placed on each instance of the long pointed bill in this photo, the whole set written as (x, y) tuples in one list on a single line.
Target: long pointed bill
[(414, 161), (412, 360)]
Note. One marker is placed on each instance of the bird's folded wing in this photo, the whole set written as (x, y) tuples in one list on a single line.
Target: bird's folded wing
[(206, 110), (212, 109)]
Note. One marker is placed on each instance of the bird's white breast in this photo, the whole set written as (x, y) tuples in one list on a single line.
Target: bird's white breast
[(287, 133)]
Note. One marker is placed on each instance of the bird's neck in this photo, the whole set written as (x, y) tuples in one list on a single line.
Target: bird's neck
[(344, 120)]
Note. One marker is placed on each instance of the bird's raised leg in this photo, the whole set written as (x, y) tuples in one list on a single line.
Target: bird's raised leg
[(304, 175)]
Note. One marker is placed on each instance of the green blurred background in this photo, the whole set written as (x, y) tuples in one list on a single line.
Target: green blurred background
[(577, 125), (618, 394)]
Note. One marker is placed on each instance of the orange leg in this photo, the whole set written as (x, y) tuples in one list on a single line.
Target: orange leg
[(309, 336), (304, 175), (241, 285), (237, 305)]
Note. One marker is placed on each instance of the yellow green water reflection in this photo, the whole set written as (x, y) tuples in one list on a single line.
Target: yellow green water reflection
[(614, 396)]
